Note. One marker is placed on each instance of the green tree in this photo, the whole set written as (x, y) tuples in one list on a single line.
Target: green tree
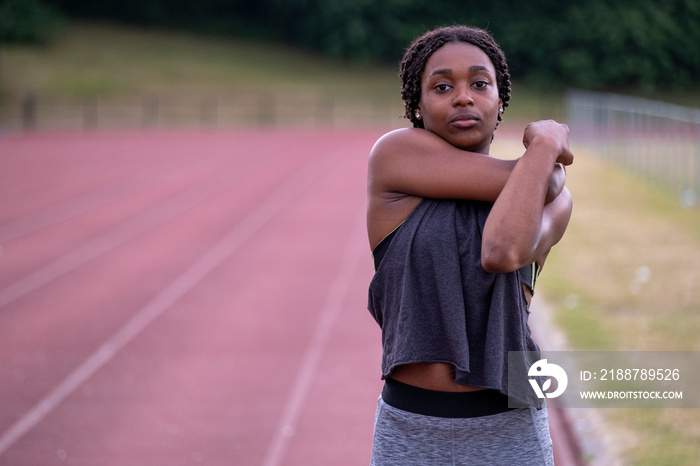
[(27, 21), (598, 44)]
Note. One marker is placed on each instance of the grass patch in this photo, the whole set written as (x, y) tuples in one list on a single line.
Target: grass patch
[(89, 58), (632, 252), (624, 278), (668, 437)]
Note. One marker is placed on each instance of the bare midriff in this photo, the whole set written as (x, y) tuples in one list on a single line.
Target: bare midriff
[(430, 375), (435, 375)]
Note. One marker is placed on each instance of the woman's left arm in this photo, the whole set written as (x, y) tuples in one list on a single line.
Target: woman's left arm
[(555, 219), (521, 227)]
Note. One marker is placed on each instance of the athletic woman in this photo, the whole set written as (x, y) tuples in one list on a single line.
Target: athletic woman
[(458, 238)]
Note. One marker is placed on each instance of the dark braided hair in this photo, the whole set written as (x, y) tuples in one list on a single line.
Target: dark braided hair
[(418, 53)]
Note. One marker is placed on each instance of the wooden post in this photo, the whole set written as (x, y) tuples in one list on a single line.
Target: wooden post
[(29, 112), (90, 113)]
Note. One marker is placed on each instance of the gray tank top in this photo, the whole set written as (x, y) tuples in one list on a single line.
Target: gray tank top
[(435, 303)]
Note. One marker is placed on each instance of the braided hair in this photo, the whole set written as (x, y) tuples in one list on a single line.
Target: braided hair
[(417, 55)]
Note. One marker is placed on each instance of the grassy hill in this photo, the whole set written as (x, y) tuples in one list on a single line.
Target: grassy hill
[(87, 59), (113, 62)]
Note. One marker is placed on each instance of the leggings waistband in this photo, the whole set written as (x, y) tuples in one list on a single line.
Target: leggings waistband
[(443, 404)]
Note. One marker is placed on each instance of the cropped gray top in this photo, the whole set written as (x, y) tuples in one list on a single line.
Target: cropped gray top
[(435, 303)]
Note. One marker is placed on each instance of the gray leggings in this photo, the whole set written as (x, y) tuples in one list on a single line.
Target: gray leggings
[(519, 436)]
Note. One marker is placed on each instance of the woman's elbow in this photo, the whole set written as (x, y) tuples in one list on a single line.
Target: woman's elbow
[(499, 259)]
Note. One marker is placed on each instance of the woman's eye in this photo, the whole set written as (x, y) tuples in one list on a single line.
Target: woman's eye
[(442, 87), (481, 84)]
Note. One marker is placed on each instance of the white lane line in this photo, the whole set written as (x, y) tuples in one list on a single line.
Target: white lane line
[(244, 230), (355, 251), (125, 232)]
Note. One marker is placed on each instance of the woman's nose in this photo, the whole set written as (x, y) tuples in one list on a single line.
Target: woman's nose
[(462, 97)]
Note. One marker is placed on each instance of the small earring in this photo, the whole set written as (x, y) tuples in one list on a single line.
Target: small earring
[(418, 115), (500, 109)]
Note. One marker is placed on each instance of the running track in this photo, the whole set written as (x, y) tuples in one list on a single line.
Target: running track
[(179, 298)]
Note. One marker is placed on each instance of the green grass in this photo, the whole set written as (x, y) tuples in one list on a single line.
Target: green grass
[(621, 227), (103, 59), (620, 224), (666, 437)]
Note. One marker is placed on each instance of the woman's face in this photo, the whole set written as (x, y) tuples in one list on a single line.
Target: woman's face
[(459, 96)]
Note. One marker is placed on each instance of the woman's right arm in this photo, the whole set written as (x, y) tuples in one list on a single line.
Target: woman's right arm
[(409, 164), (417, 162)]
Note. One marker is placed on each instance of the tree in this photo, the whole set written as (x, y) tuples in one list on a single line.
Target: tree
[(26, 21)]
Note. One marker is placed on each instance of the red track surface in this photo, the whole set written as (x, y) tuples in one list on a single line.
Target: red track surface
[(186, 298)]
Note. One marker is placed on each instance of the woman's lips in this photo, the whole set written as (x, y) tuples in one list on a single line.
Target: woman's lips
[(465, 120)]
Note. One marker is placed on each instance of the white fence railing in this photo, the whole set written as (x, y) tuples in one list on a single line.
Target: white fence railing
[(658, 140)]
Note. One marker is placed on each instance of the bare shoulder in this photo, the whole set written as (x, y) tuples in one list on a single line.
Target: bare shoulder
[(387, 206), (399, 159), (405, 139), (390, 145)]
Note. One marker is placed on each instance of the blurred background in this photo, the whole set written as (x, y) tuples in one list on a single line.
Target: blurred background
[(622, 73), (72, 63)]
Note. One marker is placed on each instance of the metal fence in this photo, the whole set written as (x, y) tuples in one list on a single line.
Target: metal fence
[(246, 108), (657, 140)]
